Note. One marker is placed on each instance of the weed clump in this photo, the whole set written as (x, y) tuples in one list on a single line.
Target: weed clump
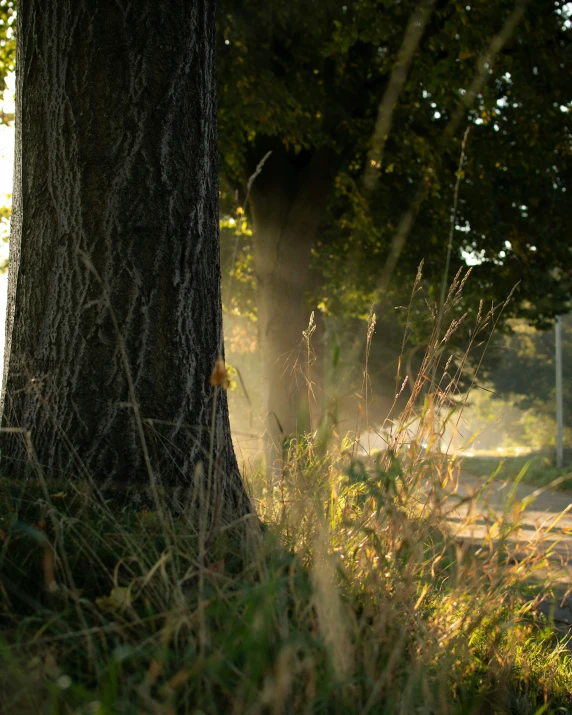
[(358, 596), (375, 586)]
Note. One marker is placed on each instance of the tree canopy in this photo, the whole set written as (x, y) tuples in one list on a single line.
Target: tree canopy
[(297, 77)]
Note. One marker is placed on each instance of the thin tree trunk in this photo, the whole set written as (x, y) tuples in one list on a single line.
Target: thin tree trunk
[(116, 314), (287, 206)]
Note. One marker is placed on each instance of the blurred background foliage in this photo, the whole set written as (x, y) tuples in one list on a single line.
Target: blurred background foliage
[(297, 77), (7, 41)]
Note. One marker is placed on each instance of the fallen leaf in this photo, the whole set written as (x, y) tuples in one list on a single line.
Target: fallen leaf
[(219, 377)]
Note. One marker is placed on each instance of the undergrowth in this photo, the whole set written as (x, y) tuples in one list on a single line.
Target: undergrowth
[(354, 598), (360, 590)]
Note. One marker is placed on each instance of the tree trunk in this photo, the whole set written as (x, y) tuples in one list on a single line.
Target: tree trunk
[(287, 201), (115, 321)]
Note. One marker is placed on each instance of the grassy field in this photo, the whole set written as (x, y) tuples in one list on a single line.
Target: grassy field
[(539, 469), (354, 598), (346, 594)]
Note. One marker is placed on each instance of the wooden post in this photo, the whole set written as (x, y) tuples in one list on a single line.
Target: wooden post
[(559, 398)]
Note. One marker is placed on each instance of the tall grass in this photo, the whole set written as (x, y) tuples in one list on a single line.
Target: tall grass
[(362, 593)]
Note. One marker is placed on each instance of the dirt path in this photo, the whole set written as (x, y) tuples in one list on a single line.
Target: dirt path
[(548, 518), (546, 524)]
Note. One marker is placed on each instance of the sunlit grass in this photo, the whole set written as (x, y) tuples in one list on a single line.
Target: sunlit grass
[(355, 598), (540, 469), (360, 590)]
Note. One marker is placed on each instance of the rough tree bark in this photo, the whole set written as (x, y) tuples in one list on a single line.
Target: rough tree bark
[(286, 201), (114, 266)]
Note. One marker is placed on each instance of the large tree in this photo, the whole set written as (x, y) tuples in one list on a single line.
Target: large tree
[(114, 314), (304, 80)]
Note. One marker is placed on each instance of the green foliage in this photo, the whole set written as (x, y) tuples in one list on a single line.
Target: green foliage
[(361, 592), (353, 598), (5, 213), (520, 368), (7, 41), (298, 76), (7, 64), (237, 265), (525, 366)]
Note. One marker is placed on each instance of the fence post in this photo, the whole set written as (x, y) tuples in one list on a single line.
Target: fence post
[(559, 398)]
